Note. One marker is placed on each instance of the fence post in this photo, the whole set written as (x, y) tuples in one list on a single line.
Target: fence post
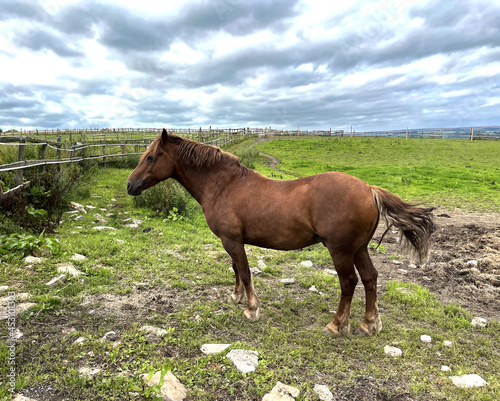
[(20, 158), (44, 155), (472, 133), (104, 155)]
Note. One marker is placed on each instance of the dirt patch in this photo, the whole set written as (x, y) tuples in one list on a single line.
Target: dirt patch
[(464, 265)]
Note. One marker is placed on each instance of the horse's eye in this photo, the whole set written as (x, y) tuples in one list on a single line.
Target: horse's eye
[(150, 158)]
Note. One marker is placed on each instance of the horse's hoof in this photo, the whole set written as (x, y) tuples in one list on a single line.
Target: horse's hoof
[(327, 332), (235, 298), (253, 316)]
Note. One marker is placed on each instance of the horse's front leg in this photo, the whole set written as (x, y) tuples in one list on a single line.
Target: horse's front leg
[(239, 289), (236, 250)]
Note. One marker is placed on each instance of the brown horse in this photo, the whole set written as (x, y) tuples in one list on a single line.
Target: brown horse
[(243, 207)]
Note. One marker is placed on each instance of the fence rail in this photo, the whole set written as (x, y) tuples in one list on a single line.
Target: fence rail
[(82, 144)]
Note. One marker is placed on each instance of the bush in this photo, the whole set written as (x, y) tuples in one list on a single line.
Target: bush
[(248, 156), (41, 205), (168, 198)]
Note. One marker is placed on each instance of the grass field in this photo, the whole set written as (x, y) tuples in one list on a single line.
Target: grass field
[(175, 275), (452, 173)]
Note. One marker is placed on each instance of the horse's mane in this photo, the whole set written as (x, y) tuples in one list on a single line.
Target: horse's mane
[(194, 154)]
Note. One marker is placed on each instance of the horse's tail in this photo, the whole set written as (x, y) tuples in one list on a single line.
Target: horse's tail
[(414, 222)]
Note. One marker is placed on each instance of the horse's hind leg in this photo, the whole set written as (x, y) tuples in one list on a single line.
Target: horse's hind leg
[(347, 276), (239, 289), (372, 323)]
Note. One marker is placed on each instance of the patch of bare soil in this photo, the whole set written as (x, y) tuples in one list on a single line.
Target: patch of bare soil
[(464, 264), (369, 389)]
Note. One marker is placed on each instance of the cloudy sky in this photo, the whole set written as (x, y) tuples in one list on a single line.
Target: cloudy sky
[(233, 63)]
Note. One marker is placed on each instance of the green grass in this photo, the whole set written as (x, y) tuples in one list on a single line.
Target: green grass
[(177, 276), (448, 172)]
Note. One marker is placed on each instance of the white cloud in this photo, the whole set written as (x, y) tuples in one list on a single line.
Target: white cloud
[(236, 63)]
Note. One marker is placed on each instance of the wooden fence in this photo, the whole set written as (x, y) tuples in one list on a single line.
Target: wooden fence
[(75, 145)]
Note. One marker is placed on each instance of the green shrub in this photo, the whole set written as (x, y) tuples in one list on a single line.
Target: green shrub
[(248, 157), (168, 198), (41, 205)]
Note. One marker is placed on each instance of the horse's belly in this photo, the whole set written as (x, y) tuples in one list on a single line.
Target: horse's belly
[(281, 237)]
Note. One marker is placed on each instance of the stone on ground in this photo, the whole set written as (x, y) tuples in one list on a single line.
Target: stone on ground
[(287, 281), (56, 280), (425, 338), (154, 330), (282, 392), (68, 268), (213, 348), (479, 322), (323, 392), (86, 371), (306, 263), (171, 390), (32, 260), (393, 351), (468, 381), (245, 361), (20, 397)]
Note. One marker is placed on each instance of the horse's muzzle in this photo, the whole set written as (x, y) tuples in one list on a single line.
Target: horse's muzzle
[(134, 188)]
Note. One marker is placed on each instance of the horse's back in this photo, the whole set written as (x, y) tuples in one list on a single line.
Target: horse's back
[(295, 213)]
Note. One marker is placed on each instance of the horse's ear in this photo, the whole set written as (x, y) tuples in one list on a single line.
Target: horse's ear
[(164, 136)]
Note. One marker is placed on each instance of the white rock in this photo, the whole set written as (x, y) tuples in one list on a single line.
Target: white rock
[(425, 338), (255, 271), (313, 288), (154, 330), (110, 335), (472, 263), (479, 322), (68, 268), (261, 264), (120, 241), (393, 351), (90, 207), (32, 260), (306, 263), (103, 228), (77, 257), (323, 392), (19, 307), (468, 381), (79, 207), (4, 287), (282, 392), (133, 225), (448, 343), (56, 280), (20, 397), (287, 281), (331, 272), (245, 361), (213, 348), (445, 368), (78, 218), (84, 370), (80, 340), (171, 390), (403, 271)]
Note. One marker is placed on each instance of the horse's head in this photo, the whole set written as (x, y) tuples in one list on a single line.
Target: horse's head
[(156, 164)]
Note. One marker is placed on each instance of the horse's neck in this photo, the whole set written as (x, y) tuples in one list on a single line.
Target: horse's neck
[(204, 184)]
